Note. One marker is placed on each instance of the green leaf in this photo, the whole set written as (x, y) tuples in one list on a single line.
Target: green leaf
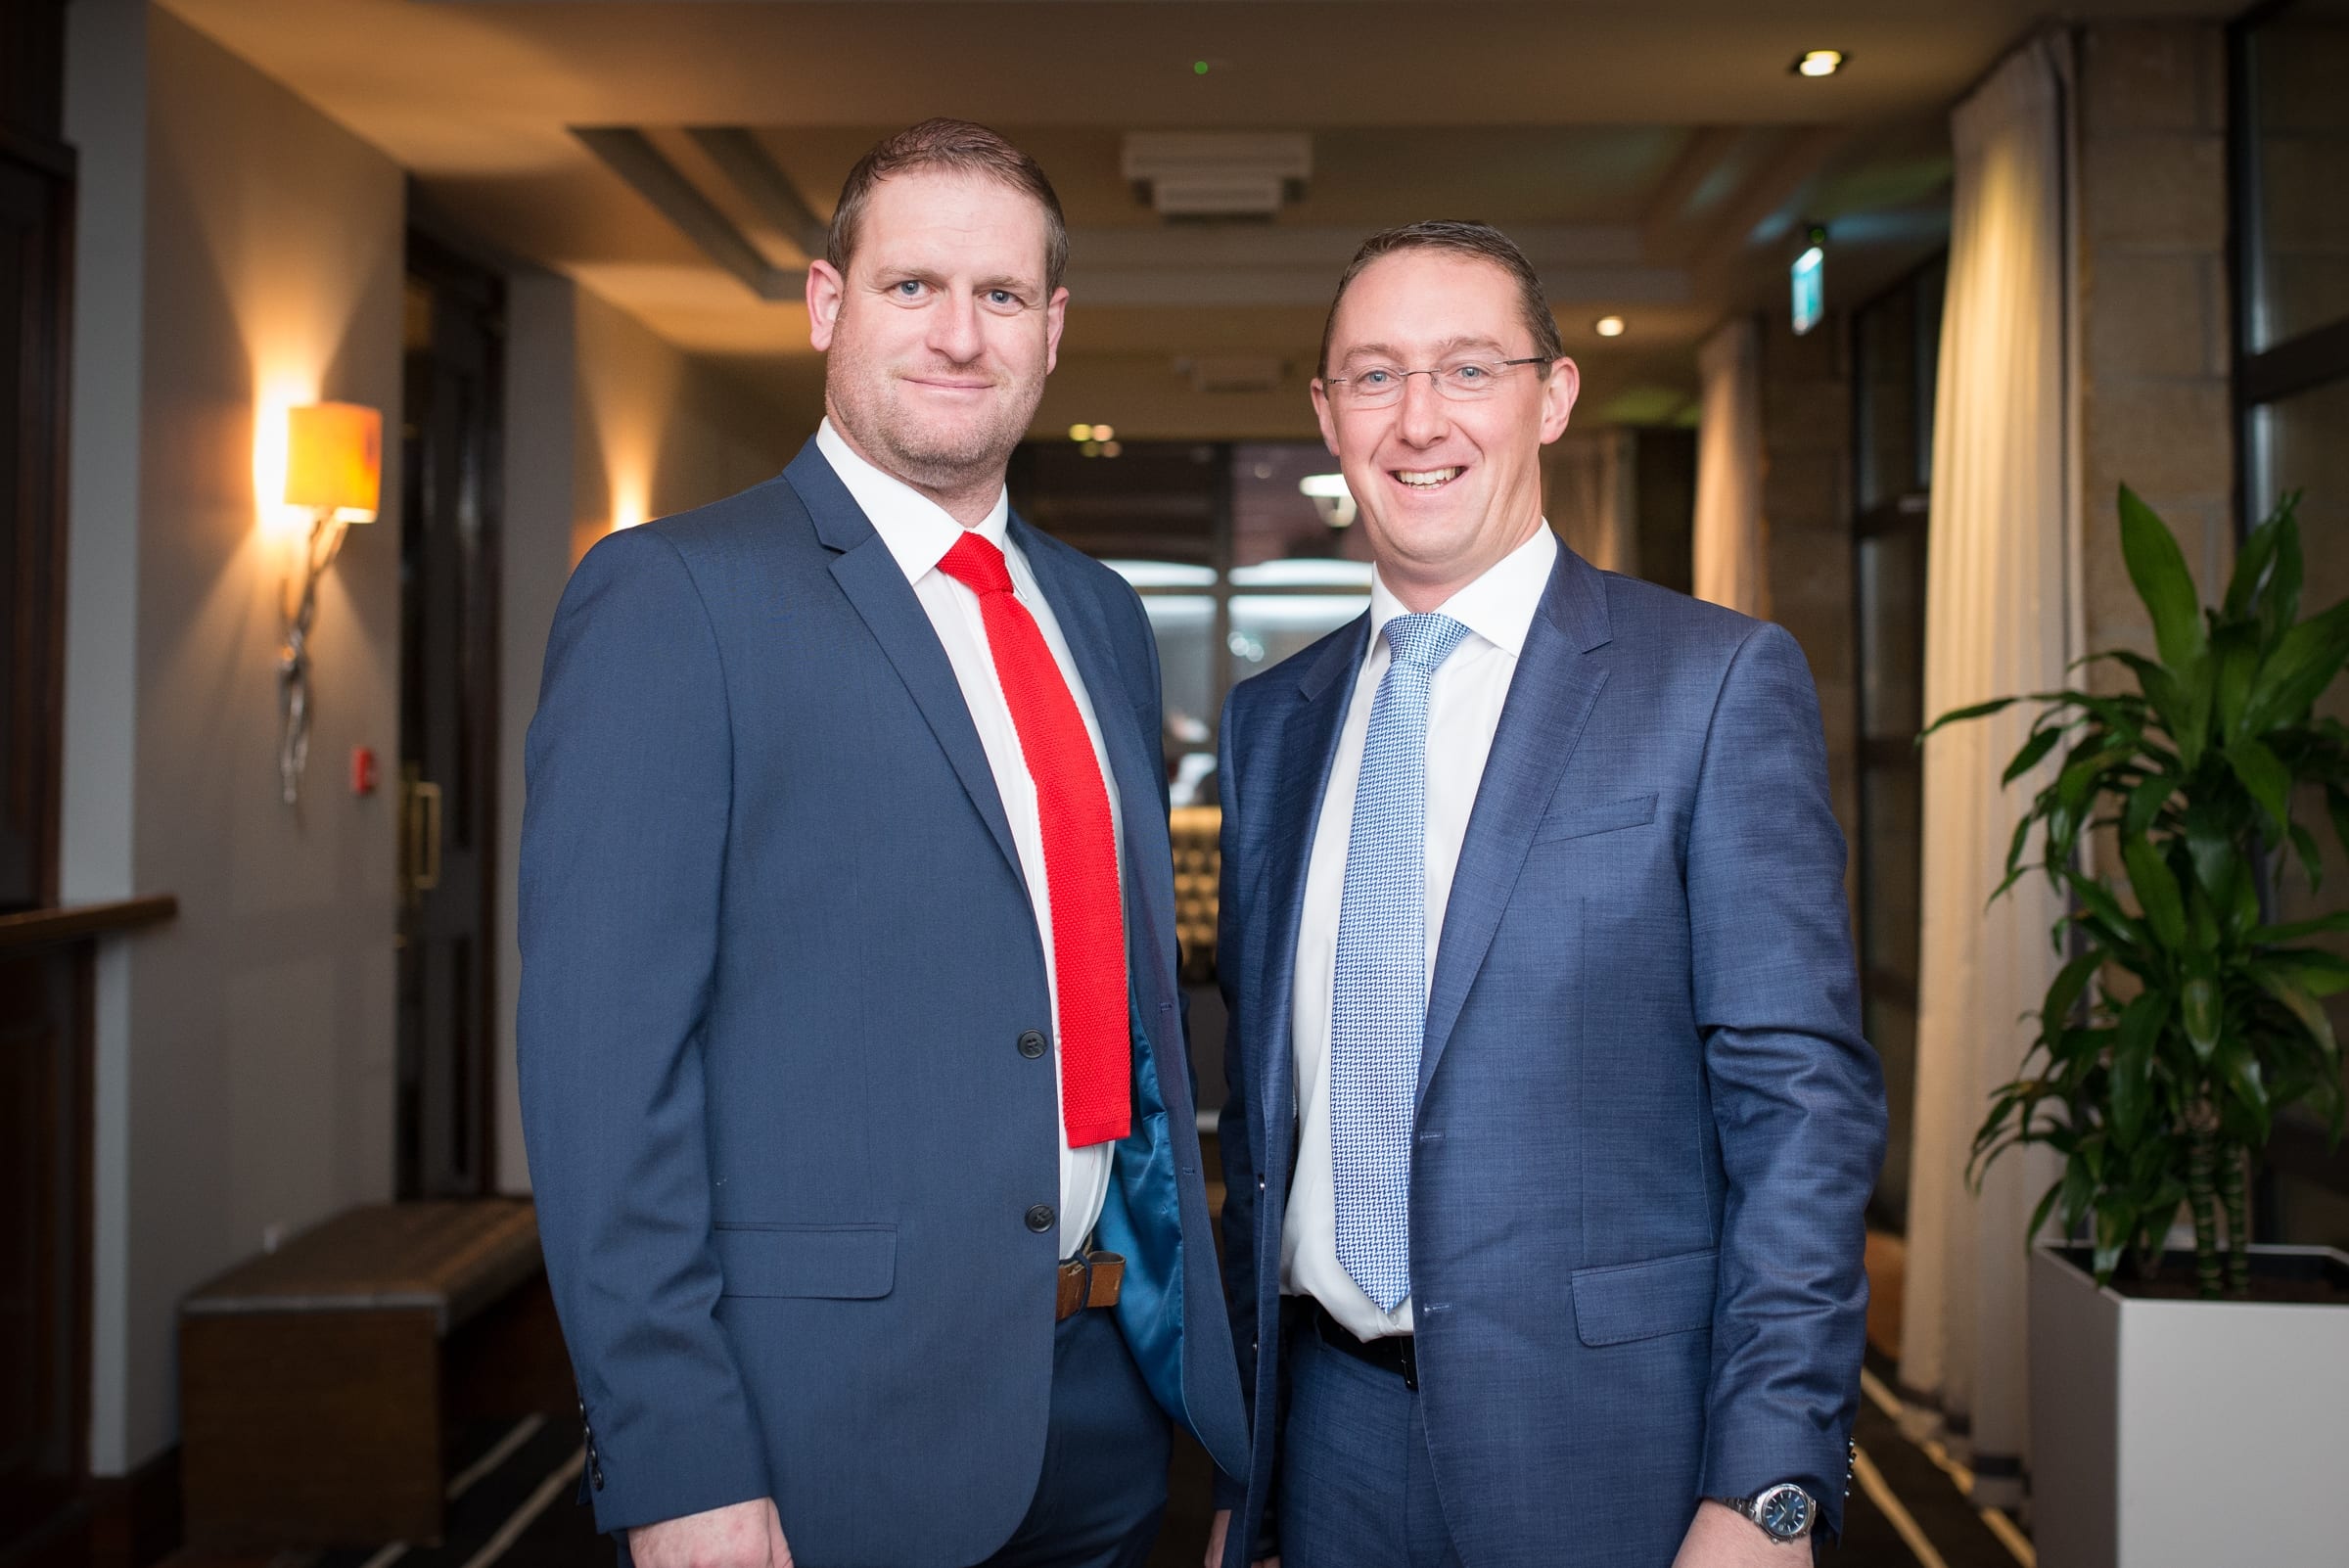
[(2063, 994), (2156, 892), (1962, 715), (2303, 665), (2279, 606), (2240, 1069), (2311, 860), (2198, 1009), (2251, 563), (2319, 973), (2236, 662), (2042, 742), (2132, 1075), (2098, 902), (2336, 805), (2268, 779), (2145, 801), (2039, 1214), (2288, 990), (2158, 569), (2294, 930)]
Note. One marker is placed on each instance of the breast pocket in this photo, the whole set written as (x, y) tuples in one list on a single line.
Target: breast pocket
[(841, 1263), (1581, 821)]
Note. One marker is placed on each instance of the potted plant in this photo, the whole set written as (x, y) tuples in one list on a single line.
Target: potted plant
[(2184, 1406)]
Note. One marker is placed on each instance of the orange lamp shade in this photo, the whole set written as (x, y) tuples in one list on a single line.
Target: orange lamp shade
[(334, 459)]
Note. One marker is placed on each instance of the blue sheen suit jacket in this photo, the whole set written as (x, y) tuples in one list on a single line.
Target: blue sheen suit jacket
[(1648, 1123), (777, 961)]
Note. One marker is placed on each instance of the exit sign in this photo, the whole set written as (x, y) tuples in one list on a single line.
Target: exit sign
[(1809, 275)]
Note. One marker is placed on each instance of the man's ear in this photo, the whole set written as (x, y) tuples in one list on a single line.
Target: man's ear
[(1056, 317), (1558, 393), (1330, 428), (826, 288)]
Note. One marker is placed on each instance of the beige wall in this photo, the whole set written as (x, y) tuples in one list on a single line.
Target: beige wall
[(245, 1061), (660, 431), (1807, 529), (2155, 340)]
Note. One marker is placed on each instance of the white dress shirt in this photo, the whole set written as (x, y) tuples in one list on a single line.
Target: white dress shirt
[(920, 532), (1464, 706)]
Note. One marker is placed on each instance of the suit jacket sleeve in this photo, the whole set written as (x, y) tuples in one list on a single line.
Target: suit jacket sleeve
[(1798, 1095), (624, 846)]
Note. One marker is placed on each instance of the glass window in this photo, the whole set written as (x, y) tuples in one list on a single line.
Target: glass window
[(2296, 142)]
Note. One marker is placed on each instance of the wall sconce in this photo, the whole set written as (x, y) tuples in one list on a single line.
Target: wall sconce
[(334, 470)]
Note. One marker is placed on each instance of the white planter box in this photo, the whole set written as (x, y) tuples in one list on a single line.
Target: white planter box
[(2185, 1432)]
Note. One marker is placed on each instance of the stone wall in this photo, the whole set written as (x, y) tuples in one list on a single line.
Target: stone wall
[(2156, 341), (1807, 527)]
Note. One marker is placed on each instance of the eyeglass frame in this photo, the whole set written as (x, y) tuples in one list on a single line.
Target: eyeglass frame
[(1404, 376)]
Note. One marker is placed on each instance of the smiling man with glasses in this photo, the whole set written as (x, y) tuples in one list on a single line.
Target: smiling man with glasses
[(1550, 1122)]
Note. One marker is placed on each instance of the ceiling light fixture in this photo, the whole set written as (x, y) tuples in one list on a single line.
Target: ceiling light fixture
[(1608, 326), (1819, 63)]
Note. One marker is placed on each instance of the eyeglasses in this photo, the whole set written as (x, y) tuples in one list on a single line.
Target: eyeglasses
[(1462, 381)]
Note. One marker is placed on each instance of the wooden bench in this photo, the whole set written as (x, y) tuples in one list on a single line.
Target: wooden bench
[(318, 1383)]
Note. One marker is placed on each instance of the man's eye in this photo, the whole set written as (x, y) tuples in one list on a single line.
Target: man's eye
[(1372, 380), (1469, 373), (909, 288), (1001, 297)]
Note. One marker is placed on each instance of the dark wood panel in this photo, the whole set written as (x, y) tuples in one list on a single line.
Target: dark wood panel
[(314, 1429), (37, 928), (44, 1228)]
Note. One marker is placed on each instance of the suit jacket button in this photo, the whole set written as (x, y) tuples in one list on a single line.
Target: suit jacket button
[(1031, 1044), (1039, 1218), (596, 1479)]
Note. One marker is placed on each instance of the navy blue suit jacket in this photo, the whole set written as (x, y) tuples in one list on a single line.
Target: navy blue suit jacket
[(777, 960), (1647, 1122)]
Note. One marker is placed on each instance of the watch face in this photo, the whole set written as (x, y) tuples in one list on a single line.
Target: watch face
[(1784, 1512)]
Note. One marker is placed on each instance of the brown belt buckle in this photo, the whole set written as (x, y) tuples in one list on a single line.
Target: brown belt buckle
[(1090, 1279)]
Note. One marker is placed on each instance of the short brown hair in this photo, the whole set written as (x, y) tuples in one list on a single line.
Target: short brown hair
[(954, 147), (1465, 237)]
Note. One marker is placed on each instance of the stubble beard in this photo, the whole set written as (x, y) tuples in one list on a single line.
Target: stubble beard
[(870, 401)]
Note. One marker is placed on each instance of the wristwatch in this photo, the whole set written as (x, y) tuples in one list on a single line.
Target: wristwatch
[(1785, 1512)]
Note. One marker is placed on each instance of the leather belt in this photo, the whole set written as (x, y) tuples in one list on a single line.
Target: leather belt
[(1089, 1279), (1391, 1354)]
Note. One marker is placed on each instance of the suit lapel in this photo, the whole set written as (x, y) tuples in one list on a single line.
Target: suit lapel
[(1139, 778), (874, 583), (1307, 745), (1550, 698)]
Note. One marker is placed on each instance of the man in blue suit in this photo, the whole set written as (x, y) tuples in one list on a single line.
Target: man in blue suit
[(852, 1066), (1550, 1122)]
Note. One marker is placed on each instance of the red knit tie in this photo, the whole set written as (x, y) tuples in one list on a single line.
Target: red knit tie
[(1080, 851)]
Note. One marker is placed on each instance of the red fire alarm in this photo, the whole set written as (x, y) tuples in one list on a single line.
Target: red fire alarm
[(362, 771)]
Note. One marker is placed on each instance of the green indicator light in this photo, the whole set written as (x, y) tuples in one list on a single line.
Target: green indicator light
[(1198, 67)]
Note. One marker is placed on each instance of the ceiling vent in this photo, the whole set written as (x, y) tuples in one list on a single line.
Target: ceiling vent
[(1211, 174)]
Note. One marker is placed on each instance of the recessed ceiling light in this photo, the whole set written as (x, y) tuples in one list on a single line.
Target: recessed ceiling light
[(1608, 326), (1819, 63)]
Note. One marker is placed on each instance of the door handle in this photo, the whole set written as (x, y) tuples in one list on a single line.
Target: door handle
[(424, 836)]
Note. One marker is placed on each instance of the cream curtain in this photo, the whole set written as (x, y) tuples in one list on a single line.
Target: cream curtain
[(1728, 470), (2002, 616), (1590, 478)]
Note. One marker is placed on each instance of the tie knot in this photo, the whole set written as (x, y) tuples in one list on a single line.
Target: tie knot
[(1423, 641), (977, 565)]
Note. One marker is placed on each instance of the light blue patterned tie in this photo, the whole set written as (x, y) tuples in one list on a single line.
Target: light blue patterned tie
[(1378, 1012)]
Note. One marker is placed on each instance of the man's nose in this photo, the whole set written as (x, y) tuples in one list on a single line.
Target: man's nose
[(955, 328), (1423, 418)]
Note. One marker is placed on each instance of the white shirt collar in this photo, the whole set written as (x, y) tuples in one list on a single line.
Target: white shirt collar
[(1497, 605), (917, 531)]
